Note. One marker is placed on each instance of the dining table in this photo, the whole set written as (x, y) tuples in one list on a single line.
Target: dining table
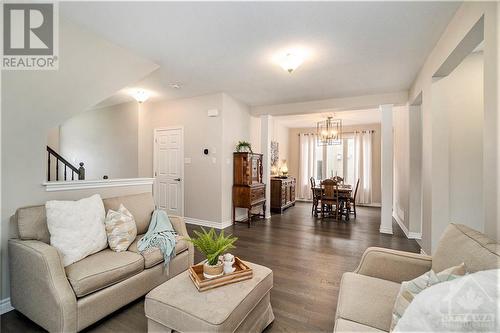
[(345, 192)]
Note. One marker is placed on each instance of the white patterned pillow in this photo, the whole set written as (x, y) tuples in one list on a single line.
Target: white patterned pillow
[(410, 289), (120, 228), (76, 227)]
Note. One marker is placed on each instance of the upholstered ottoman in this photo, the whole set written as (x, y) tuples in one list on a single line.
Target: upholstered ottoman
[(239, 307)]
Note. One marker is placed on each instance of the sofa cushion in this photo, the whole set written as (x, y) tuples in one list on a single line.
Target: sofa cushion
[(154, 256), (32, 224), (102, 269), (343, 325), (367, 300), (140, 205), (461, 244)]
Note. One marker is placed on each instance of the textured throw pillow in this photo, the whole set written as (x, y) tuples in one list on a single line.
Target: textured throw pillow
[(120, 228), (410, 289), (76, 227)]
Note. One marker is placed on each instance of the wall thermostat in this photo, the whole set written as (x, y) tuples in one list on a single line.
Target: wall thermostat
[(205, 151)]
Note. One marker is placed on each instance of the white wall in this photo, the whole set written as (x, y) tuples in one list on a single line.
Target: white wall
[(435, 194), (202, 177), (459, 98), (255, 139), (105, 139), (279, 134), (90, 70), (236, 127), (401, 122)]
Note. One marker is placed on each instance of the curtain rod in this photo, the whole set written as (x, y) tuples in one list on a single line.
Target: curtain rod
[(369, 131)]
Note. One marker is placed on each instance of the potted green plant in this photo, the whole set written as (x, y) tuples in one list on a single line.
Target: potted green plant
[(212, 246), (244, 146)]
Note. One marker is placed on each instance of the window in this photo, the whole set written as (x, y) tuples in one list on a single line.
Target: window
[(339, 160)]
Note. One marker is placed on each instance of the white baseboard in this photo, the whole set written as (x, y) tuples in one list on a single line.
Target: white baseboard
[(5, 306), (408, 234), (384, 230), (213, 224)]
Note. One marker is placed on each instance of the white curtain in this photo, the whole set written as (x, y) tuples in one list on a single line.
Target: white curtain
[(363, 165), (307, 164)]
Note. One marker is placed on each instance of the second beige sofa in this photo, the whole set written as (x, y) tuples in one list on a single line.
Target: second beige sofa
[(367, 295), (69, 299)]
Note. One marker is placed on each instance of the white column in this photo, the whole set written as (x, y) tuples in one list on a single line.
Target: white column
[(415, 174), (387, 166), (266, 132)]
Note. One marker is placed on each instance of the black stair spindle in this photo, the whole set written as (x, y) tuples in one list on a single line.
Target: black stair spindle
[(80, 172), (48, 166)]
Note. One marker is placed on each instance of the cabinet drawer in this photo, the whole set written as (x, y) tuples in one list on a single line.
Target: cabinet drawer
[(258, 194)]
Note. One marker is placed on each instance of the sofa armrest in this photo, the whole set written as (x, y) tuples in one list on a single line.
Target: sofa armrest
[(39, 287), (393, 265), (180, 227)]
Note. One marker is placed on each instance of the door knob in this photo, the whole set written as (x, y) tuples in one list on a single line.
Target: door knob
[(177, 179)]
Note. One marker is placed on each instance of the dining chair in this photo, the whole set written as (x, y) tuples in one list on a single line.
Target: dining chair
[(330, 198), (352, 200), (312, 181)]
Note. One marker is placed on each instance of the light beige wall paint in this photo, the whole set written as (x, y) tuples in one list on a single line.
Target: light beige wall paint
[(255, 139), (281, 135), (401, 165), (202, 177), (235, 127), (90, 70), (459, 98), (434, 194), (105, 139), (332, 104), (293, 157)]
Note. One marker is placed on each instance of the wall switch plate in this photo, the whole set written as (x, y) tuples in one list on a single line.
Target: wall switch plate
[(213, 113), (214, 160), (187, 160)]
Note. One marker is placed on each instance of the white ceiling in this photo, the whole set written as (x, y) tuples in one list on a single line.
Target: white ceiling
[(349, 118), (358, 48)]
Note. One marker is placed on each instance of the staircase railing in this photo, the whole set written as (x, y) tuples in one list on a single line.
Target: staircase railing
[(78, 172)]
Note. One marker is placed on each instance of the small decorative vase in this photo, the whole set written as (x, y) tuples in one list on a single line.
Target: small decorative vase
[(213, 271)]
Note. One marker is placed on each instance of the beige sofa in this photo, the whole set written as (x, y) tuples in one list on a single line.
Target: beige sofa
[(68, 299), (367, 295)]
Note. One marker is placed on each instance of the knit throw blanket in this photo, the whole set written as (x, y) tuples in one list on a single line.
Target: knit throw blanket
[(161, 235)]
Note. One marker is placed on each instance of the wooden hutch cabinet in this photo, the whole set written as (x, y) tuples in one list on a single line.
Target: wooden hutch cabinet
[(249, 191), (282, 193)]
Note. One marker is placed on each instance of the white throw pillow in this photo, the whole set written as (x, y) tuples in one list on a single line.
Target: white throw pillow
[(77, 227), (467, 304)]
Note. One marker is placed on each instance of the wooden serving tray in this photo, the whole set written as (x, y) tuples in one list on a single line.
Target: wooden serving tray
[(242, 272)]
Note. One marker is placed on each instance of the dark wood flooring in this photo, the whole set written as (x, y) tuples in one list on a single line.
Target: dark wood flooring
[(307, 255)]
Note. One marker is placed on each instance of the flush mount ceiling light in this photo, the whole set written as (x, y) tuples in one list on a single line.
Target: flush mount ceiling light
[(291, 59), (140, 95)]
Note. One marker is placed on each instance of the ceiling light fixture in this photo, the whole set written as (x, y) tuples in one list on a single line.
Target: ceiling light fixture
[(140, 95), (290, 59), (329, 132)]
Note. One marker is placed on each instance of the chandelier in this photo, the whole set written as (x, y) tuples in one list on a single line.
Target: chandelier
[(330, 132)]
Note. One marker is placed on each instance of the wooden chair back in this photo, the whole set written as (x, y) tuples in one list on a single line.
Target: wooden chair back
[(330, 189), (313, 183), (356, 191)]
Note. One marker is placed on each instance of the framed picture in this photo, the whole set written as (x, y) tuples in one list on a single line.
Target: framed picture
[(275, 153)]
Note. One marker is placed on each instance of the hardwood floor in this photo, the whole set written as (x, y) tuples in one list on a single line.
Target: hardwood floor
[(307, 255)]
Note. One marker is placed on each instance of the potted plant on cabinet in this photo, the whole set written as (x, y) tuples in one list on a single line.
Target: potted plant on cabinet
[(244, 146), (212, 246)]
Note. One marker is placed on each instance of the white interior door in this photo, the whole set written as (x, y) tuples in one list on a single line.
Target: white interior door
[(169, 170)]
